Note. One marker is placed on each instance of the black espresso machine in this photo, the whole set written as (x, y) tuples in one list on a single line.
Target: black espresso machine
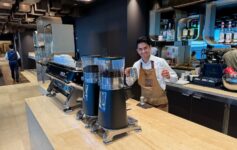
[(89, 112), (67, 81), (112, 113)]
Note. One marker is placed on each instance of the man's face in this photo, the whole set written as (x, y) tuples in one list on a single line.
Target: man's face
[(144, 50)]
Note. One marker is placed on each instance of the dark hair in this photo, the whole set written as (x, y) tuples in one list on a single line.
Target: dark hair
[(11, 46), (144, 39)]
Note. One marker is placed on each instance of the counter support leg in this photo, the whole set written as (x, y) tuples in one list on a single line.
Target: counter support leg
[(226, 119)]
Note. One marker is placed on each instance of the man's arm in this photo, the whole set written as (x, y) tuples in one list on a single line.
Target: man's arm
[(6, 56), (18, 56), (172, 73), (130, 80)]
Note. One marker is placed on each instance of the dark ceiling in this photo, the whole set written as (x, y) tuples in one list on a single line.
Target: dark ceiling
[(16, 15)]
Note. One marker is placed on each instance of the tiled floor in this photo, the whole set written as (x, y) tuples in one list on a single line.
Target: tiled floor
[(13, 122)]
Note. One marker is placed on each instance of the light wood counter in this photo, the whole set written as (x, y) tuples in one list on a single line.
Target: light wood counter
[(160, 130), (208, 90), (213, 90)]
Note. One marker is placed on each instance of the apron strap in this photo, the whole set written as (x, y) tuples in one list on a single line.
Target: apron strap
[(152, 64)]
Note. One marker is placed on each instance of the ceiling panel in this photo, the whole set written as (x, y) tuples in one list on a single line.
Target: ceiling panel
[(24, 7), (30, 1), (40, 7), (5, 6), (8, 1)]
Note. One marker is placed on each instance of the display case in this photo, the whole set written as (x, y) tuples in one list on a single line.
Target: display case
[(220, 23), (55, 35), (190, 28)]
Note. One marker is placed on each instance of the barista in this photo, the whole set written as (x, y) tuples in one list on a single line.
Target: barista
[(152, 74)]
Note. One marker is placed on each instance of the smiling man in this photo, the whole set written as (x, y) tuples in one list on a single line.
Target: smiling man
[(152, 74)]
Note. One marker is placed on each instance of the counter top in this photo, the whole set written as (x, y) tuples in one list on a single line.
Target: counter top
[(207, 90), (160, 130), (183, 68)]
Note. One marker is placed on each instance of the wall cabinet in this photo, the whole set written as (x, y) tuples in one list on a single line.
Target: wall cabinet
[(233, 121), (179, 103), (207, 112), (200, 108)]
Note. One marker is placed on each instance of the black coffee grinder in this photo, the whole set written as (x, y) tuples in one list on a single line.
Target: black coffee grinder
[(112, 113), (89, 112)]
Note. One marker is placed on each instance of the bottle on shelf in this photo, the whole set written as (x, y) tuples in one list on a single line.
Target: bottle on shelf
[(195, 29), (191, 30), (170, 33), (164, 34), (228, 36), (235, 33), (222, 33), (185, 33)]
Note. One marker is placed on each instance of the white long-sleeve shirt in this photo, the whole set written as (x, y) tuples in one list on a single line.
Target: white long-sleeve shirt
[(159, 65), (18, 56)]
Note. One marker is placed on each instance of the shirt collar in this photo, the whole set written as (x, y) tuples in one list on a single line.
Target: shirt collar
[(150, 59)]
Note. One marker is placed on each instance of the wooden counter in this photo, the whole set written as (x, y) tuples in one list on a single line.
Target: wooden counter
[(160, 130), (208, 90)]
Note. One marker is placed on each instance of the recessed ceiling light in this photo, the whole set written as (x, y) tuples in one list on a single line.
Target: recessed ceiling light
[(86, 1)]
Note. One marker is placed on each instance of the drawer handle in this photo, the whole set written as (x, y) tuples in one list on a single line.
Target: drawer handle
[(197, 97), (185, 94)]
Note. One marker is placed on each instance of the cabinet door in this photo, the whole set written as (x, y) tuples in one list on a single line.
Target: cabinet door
[(233, 121), (207, 112), (179, 103)]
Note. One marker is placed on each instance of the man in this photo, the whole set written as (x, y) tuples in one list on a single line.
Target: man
[(152, 73), (12, 56), (230, 58)]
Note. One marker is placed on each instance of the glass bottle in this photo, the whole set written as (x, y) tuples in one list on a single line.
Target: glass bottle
[(235, 33), (222, 33), (228, 38), (169, 33), (165, 33), (185, 33), (191, 30)]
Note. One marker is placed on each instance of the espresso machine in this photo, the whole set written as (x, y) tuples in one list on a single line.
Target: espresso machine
[(112, 113), (90, 103), (67, 81)]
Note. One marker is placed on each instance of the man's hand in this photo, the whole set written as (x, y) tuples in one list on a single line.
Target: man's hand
[(127, 71), (165, 73)]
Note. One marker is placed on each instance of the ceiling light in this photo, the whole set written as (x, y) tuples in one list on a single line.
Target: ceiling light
[(6, 4), (24, 7), (85, 1)]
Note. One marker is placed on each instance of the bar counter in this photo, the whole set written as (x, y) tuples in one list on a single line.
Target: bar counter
[(208, 90), (51, 128)]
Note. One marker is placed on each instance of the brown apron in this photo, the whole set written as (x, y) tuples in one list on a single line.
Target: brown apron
[(151, 89)]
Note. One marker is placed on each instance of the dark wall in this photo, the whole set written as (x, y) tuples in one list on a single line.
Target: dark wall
[(26, 46), (112, 28), (138, 25), (7, 37), (103, 30)]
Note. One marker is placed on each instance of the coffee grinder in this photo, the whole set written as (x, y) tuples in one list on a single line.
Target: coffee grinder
[(112, 113), (89, 112)]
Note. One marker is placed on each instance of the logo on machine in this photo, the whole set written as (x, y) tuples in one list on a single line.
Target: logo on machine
[(85, 92), (102, 100), (63, 74)]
